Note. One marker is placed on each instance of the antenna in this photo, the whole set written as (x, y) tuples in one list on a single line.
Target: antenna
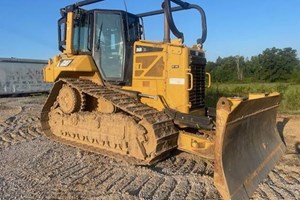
[(125, 5)]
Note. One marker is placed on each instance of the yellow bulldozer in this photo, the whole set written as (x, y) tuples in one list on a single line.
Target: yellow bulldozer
[(118, 94)]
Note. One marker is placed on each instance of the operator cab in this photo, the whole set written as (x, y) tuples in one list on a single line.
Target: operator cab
[(107, 35)]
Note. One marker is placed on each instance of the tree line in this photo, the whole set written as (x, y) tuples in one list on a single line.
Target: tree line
[(272, 65)]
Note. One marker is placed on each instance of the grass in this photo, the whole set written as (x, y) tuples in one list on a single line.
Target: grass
[(290, 93)]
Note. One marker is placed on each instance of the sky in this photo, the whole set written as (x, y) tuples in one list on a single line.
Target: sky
[(28, 29)]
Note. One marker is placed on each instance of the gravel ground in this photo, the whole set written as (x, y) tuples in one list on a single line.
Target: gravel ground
[(33, 167)]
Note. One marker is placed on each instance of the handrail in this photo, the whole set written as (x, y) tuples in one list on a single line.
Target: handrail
[(186, 6)]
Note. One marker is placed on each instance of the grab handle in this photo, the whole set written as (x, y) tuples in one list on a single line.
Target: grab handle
[(209, 79), (191, 81)]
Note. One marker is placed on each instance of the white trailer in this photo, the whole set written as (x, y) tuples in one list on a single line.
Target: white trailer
[(22, 76)]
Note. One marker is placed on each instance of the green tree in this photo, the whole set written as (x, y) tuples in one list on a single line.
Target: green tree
[(295, 77), (271, 65), (226, 69), (210, 66), (252, 68), (277, 64)]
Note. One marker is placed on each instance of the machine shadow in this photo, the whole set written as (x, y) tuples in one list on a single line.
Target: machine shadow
[(280, 127), (297, 147)]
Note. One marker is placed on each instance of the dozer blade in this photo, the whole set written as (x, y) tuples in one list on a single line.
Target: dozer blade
[(247, 144)]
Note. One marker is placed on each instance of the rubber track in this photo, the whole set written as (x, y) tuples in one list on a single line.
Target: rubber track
[(161, 123)]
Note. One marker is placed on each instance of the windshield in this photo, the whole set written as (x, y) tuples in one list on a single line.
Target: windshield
[(81, 34), (110, 44)]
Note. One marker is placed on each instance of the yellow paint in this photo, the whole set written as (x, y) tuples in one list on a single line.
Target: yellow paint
[(69, 34), (209, 79), (195, 144), (81, 66), (262, 95), (172, 84)]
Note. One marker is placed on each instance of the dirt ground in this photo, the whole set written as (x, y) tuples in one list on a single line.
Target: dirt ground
[(33, 167)]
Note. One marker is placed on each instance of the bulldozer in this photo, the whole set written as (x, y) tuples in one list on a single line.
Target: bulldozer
[(117, 94)]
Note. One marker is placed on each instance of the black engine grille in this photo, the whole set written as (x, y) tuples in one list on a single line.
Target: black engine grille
[(197, 94)]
